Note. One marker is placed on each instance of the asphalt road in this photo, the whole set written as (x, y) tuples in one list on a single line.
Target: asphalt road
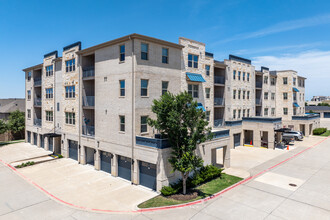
[(267, 196)]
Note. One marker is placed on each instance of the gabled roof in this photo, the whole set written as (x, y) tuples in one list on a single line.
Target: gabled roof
[(10, 105)]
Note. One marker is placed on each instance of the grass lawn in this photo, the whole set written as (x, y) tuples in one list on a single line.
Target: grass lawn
[(326, 134), (10, 142), (207, 189)]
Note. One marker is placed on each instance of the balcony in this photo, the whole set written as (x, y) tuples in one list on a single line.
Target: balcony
[(218, 123), (37, 81), (37, 102), (219, 101), (258, 84), (152, 142), (258, 101), (37, 122), (88, 130), (88, 101), (219, 79), (89, 72)]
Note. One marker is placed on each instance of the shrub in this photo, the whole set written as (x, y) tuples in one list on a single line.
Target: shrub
[(319, 131), (168, 190)]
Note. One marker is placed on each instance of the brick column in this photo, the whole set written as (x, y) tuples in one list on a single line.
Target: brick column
[(97, 160), (226, 154), (83, 155), (114, 165), (135, 173), (46, 143)]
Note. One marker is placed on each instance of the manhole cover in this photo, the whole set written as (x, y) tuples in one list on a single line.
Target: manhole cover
[(292, 184)]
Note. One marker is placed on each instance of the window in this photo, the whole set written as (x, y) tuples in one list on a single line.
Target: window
[(49, 70), (243, 76), (122, 87), (29, 94), (70, 92), (266, 95), (285, 95), (266, 111), (49, 93), (29, 113), (272, 81), (193, 90), (165, 55), (248, 76), (239, 94), (265, 79), (234, 74), (144, 51), (243, 112), (248, 113), (164, 87), (70, 118), (49, 115), (285, 111), (273, 96), (234, 114), (294, 111), (239, 75), (207, 92), (192, 60), (294, 81), (207, 113), (273, 111), (243, 94), (144, 125), (234, 94), (248, 95), (239, 113), (285, 80), (122, 123), (70, 65), (144, 87), (122, 52), (207, 68), (29, 75), (58, 106)]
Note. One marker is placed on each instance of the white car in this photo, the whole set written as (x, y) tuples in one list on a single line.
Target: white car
[(296, 134)]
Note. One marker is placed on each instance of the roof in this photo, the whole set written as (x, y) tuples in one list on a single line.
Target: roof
[(38, 66), (126, 38), (317, 108), (10, 105), (239, 59)]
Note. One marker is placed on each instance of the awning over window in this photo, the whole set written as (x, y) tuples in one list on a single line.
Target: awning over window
[(295, 104), (200, 106), (194, 77), (295, 89)]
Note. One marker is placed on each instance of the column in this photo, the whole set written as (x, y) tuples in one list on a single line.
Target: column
[(256, 138), (97, 160), (38, 141), (114, 166), (46, 143), (135, 173), (226, 155), (271, 140), (83, 155)]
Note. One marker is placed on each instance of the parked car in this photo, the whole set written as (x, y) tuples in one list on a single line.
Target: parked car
[(296, 134), (287, 139)]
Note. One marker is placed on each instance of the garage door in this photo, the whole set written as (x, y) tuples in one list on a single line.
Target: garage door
[(237, 140), (124, 167), (148, 174), (73, 150), (51, 144), (106, 162), (42, 141), (327, 114)]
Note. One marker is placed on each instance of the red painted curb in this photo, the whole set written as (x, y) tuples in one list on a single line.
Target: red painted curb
[(164, 207)]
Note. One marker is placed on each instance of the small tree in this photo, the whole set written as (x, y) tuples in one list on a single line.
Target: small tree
[(3, 127), (16, 122), (184, 125)]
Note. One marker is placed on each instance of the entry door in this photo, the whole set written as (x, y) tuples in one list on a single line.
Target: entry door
[(42, 141), (51, 144), (90, 152), (148, 173), (73, 150), (29, 136), (106, 162), (35, 139), (124, 167), (237, 140)]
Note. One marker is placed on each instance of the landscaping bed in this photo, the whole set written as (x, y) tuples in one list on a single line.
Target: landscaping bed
[(321, 132), (205, 190)]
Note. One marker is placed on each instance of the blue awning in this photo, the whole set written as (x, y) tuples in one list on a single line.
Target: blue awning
[(200, 106), (295, 89), (295, 104), (194, 77)]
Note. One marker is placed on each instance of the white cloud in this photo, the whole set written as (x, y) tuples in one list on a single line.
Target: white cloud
[(314, 65)]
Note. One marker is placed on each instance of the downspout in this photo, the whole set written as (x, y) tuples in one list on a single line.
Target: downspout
[(133, 109), (54, 94), (80, 107)]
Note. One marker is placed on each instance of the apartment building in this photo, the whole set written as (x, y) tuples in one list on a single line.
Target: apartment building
[(92, 105)]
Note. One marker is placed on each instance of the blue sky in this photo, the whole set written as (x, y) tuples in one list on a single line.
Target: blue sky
[(281, 34)]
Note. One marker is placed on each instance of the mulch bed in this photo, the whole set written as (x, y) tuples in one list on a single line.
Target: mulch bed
[(189, 196)]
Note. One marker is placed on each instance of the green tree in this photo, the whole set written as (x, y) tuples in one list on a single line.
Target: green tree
[(3, 127), (184, 125), (16, 122)]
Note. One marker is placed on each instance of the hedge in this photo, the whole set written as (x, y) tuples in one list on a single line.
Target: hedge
[(319, 131)]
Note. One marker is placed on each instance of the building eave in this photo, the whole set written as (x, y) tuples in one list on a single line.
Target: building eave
[(39, 66)]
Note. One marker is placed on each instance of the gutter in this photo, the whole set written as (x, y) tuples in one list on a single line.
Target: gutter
[(133, 110)]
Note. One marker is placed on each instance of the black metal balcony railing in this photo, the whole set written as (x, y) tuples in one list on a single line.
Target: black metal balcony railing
[(259, 84), (37, 81), (219, 79), (88, 71), (37, 101), (88, 130), (89, 101), (218, 123), (219, 101), (37, 122), (258, 101), (152, 142)]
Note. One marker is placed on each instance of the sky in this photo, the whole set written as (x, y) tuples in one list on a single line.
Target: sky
[(281, 34)]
